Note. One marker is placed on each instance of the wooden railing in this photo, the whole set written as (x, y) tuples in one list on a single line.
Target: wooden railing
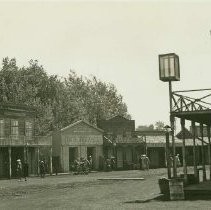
[(183, 103)]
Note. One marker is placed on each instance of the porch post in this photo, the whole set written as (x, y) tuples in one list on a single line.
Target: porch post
[(202, 152), (38, 160), (10, 167), (194, 148), (209, 158), (145, 141), (183, 149), (24, 152), (173, 147), (167, 156), (51, 167)]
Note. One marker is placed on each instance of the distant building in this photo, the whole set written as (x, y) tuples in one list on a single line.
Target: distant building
[(121, 142), (156, 147), (198, 131), (18, 140), (77, 140)]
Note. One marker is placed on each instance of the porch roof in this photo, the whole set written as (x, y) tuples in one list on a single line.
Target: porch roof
[(199, 116), (160, 141)]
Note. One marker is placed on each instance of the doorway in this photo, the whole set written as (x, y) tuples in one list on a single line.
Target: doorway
[(91, 151), (4, 162), (16, 153), (73, 154)]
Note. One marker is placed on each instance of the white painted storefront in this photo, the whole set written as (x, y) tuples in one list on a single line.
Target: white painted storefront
[(78, 140)]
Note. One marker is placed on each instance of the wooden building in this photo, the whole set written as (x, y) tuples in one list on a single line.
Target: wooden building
[(77, 140), (121, 142), (156, 147), (18, 140)]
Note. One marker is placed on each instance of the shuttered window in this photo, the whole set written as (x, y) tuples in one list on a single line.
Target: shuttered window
[(14, 127), (1, 128), (28, 129)]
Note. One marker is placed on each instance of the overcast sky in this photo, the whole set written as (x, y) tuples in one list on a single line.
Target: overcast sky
[(117, 41)]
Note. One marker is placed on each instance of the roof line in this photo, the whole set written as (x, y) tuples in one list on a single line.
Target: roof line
[(78, 122)]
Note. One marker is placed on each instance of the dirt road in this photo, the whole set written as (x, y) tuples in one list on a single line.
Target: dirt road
[(87, 192)]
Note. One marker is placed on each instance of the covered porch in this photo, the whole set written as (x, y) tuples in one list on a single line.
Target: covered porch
[(197, 113), (30, 150)]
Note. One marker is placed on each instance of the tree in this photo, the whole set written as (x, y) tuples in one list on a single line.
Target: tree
[(145, 127), (159, 125), (58, 103)]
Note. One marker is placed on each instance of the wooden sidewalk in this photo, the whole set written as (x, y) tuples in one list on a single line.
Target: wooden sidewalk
[(200, 189)]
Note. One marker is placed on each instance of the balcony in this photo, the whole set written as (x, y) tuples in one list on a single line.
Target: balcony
[(26, 141)]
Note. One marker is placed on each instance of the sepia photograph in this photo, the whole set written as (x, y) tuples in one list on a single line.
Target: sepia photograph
[(105, 104)]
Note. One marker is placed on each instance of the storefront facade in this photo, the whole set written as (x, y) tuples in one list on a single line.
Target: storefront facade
[(77, 140), (18, 141), (121, 142)]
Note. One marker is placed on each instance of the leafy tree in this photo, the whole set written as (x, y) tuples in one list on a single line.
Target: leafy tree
[(58, 103), (145, 128), (159, 125)]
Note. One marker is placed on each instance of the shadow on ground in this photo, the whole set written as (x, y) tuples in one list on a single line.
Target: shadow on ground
[(165, 198)]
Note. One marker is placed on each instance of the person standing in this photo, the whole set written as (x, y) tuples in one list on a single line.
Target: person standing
[(178, 163), (19, 169), (147, 162), (113, 163), (25, 170), (42, 169), (90, 163), (140, 162)]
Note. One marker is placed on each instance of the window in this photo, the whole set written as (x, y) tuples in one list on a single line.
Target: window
[(28, 129), (14, 127), (1, 128)]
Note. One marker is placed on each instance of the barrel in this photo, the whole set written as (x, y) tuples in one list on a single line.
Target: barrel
[(176, 189)]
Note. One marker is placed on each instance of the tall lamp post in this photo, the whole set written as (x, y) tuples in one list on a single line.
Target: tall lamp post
[(167, 131), (169, 70)]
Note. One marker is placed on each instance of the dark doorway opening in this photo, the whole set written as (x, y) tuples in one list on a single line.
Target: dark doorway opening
[(73, 154), (91, 151), (4, 162), (16, 153)]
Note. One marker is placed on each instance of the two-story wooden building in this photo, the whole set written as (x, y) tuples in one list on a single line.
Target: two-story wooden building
[(18, 140), (121, 142)]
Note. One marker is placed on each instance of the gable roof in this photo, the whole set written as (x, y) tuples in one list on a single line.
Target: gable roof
[(81, 121)]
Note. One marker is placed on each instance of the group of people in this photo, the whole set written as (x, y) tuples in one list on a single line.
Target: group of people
[(22, 170), (83, 165), (110, 163), (177, 161), (144, 162)]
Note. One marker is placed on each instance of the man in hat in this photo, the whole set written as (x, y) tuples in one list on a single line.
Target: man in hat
[(25, 170), (19, 169), (90, 162), (145, 162), (178, 163), (42, 169)]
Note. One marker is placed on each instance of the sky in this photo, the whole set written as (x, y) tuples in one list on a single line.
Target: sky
[(117, 41)]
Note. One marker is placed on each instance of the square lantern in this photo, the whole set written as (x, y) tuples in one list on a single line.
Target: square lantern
[(169, 69)]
